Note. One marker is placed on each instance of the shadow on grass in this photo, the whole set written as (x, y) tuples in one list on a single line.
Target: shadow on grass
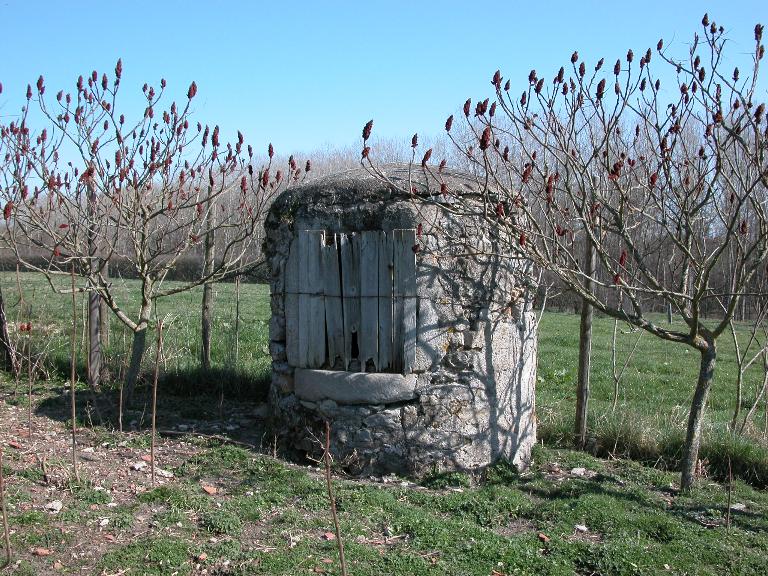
[(218, 402), (685, 507), (720, 451), (249, 385)]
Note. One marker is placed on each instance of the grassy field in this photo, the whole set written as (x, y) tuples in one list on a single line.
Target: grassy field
[(655, 392), (51, 316), (231, 510), (648, 423)]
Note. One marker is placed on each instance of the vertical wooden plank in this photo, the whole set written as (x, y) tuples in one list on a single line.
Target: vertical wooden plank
[(316, 322), (292, 304), (386, 267), (397, 304), (405, 301), (334, 318), (350, 289), (303, 295), (369, 301)]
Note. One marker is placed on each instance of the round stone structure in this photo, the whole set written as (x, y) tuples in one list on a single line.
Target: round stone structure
[(396, 319)]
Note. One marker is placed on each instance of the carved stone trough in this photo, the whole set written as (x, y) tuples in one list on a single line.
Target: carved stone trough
[(400, 324)]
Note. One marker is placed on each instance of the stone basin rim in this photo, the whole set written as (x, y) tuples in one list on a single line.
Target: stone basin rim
[(354, 388)]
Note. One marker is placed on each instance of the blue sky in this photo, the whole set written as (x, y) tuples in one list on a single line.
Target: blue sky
[(307, 74)]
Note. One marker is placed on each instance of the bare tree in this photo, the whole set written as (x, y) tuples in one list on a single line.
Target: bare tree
[(661, 184), (7, 351), (155, 378), (72, 376), (748, 353), (91, 186), (618, 373)]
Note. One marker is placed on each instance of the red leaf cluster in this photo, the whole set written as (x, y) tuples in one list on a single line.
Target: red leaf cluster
[(367, 129)]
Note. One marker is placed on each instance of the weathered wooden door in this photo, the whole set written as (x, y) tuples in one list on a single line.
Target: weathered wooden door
[(350, 300)]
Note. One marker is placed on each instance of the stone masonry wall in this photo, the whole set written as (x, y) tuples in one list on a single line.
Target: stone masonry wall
[(470, 398)]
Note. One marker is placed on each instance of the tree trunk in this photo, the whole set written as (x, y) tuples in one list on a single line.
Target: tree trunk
[(582, 387), (237, 320), (72, 377), (585, 350), (104, 312), (696, 415), (93, 362), (94, 341), (7, 351), (669, 313), (207, 313), (739, 398), (138, 347), (207, 304)]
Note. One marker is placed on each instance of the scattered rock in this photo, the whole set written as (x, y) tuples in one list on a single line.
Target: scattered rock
[(163, 473), (738, 506), (329, 536), (583, 473), (543, 537), (54, 507), (138, 466), (581, 528), (208, 489), (41, 552)]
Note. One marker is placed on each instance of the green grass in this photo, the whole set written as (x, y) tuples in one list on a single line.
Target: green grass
[(271, 518), (635, 526), (648, 423), (655, 392), (657, 386), (51, 316)]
